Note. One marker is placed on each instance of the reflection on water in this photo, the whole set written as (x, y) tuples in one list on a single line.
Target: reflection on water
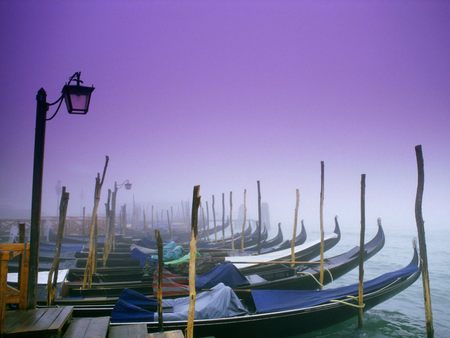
[(404, 314), (377, 324)]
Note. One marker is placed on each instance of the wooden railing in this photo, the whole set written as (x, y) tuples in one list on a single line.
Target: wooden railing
[(9, 294)]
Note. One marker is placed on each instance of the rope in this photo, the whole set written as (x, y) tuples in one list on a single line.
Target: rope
[(347, 303), (312, 276), (317, 281)]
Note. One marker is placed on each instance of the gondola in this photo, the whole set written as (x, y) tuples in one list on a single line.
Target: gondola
[(302, 253), (266, 313), (281, 276), (112, 288)]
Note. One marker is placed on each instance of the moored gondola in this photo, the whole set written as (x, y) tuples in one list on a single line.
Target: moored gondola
[(276, 313)]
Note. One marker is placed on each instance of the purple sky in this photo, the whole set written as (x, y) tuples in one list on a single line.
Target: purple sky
[(225, 93)]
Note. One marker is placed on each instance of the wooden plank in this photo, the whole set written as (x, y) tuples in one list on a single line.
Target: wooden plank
[(167, 334), (77, 327), (54, 319), (65, 315), (19, 247), (3, 287), (128, 331), (88, 328), (21, 321), (37, 321)]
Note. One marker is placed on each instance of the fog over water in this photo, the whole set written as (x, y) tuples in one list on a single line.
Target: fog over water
[(223, 94)]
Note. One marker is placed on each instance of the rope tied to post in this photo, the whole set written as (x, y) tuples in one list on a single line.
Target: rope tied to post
[(344, 302)]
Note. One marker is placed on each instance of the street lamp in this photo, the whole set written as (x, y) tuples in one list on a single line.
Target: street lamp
[(127, 184), (77, 98)]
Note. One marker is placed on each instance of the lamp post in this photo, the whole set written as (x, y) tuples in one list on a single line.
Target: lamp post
[(127, 184), (77, 100)]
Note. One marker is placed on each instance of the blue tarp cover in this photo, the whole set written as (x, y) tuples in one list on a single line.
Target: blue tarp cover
[(138, 299), (225, 273), (125, 312), (280, 300), (218, 302)]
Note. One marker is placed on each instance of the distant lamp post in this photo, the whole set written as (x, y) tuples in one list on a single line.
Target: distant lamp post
[(127, 185), (77, 98)]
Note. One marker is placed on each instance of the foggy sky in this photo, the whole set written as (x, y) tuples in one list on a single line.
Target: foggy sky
[(225, 93)]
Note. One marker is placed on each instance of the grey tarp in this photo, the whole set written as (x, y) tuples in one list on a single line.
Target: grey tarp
[(219, 302)]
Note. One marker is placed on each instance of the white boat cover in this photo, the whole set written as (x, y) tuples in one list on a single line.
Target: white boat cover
[(42, 276), (242, 262)]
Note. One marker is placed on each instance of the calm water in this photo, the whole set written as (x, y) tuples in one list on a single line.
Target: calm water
[(403, 315)]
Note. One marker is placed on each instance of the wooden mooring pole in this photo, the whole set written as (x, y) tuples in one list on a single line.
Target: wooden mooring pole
[(422, 242), (322, 180), (207, 220), (192, 258), (52, 277), (244, 221), (159, 245), (214, 219), (361, 252), (231, 220), (92, 256), (259, 217), (294, 232), (169, 225), (223, 217)]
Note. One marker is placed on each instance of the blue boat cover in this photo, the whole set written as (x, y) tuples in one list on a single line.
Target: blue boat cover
[(125, 312), (138, 299), (280, 300), (225, 273), (219, 302)]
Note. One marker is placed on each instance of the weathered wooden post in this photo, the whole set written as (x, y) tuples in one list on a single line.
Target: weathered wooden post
[(52, 277), (169, 224), (259, 217), (159, 245), (422, 242), (361, 253), (223, 217), (322, 179), (231, 220), (244, 221), (21, 240), (83, 225), (202, 210), (192, 258), (92, 256), (294, 232), (207, 220), (145, 220), (107, 244), (113, 216), (152, 219), (214, 219), (157, 219)]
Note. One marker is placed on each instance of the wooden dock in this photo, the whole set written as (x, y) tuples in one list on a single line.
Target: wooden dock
[(57, 322), (45, 322)]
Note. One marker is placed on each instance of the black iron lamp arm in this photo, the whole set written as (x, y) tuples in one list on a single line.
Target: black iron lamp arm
[(59, 101)]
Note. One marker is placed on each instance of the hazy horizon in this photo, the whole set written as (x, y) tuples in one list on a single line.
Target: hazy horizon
[(222, 94)]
